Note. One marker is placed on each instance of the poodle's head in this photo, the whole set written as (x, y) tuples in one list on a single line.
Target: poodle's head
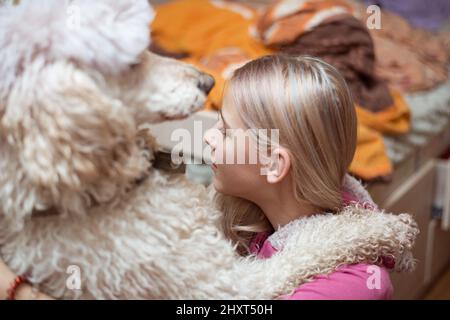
[(76, 84)]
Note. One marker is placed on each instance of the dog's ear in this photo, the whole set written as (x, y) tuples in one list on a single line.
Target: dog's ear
[(67, 132)]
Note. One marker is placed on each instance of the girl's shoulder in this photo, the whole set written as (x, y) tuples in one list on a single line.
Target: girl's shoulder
[(350, 282)]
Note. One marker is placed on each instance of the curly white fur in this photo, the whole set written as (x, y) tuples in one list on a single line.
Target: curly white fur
[(152, 245), (72, 151)]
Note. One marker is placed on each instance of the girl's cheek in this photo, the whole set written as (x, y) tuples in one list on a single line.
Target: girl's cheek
[(232, 150), (235, 149), (241, 147), (225, 150)]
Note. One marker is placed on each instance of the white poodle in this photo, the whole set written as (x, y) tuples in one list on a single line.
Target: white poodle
[(77, 190)]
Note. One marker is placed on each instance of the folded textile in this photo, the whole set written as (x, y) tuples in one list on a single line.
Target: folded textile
[(410, 59), (370, 161), (327, 29), (284, 21), (393, 120), (219, 36), (213, 34), (345, 43)]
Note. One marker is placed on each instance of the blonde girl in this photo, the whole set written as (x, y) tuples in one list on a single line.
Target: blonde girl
[(302, 174)]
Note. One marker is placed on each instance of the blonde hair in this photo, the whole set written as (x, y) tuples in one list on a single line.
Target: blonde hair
[(311, 105)]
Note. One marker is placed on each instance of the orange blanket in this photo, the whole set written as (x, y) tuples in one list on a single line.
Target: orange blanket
[(213, 33), (217, 36)]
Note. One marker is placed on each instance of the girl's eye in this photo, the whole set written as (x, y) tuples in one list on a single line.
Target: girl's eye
[(221, 128), (225, 133)]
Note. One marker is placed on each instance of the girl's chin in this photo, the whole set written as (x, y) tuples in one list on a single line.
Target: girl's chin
[(218, 186), (222, 189)]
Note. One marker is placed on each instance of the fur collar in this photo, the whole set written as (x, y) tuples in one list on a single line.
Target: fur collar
[(321, 243)]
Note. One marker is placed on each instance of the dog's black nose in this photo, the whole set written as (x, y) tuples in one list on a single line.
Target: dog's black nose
[(206, 83)]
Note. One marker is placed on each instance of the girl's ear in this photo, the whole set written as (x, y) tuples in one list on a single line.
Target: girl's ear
[(280, 164)]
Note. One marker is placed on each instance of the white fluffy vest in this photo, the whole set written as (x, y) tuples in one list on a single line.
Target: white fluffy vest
[(322, 243)]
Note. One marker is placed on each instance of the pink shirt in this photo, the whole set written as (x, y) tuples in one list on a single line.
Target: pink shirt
[(349, 282)]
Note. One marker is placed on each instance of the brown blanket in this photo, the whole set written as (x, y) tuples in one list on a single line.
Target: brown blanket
[(344, 42)]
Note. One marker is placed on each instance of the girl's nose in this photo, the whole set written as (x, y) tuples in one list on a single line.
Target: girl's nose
[(210, 138)]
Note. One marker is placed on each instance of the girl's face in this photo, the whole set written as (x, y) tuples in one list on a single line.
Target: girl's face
[(233, 154)]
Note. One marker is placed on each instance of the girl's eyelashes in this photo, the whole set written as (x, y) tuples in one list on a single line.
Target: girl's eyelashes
[(224, 132)]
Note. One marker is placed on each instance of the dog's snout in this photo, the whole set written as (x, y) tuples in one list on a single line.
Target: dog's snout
[(206, 83)]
